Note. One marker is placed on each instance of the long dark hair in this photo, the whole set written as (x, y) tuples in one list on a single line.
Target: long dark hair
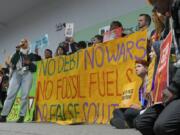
[(60, 46)]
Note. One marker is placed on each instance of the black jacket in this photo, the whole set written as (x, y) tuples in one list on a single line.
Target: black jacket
[(174, 86), (15, 58)]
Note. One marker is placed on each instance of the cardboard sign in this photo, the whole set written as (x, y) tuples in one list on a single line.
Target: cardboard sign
[(69, 30)]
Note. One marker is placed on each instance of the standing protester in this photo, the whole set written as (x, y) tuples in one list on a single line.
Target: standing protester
[(70, 45), (97, 39), (23, 67), (144, 21), (48, 54), (60, 50), (117, 25)]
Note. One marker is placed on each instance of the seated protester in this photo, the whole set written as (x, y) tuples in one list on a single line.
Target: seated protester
[(22, 77), (164, 119), (124, 117), (97, 39), (60, 50), (47, 54)]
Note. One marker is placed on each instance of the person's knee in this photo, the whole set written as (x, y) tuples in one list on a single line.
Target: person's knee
[(143, 126), (137, 123), (160, 128), (157, 127), (128, 114), (131, 114), (117, 113)]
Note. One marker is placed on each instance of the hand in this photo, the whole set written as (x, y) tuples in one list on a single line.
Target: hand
[(147, 95), (135, 106), (18, 48)]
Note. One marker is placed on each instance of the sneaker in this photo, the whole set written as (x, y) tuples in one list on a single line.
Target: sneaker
[(20, 120), (3, 118), (118, 123)]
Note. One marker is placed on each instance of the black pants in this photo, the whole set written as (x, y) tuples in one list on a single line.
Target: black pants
[(158, 121), (3, 95), (168, 122), (127, 114), (145, 122)]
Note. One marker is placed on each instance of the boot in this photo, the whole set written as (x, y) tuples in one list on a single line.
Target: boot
[(3, 118)]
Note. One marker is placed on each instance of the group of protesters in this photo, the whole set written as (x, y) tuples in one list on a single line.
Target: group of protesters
[(161, 118), (149, 118)]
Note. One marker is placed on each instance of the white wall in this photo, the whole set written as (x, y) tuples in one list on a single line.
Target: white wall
[(43, 19)]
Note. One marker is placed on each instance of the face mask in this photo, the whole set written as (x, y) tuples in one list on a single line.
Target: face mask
[(24, 51)]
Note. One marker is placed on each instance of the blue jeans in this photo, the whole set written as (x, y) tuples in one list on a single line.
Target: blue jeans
[(19, 80)]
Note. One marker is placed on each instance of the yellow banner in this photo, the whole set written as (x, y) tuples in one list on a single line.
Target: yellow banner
[(88, 85)]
